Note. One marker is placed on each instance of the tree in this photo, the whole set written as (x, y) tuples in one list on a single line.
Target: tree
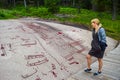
[(114, 9), (78, 5), (25, 3), (3, 3), (100, 5), (14, 2), (94, 4), (106, 5), (52, 5)]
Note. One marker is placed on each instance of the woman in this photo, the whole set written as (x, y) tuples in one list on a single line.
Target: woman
[(98, 45)]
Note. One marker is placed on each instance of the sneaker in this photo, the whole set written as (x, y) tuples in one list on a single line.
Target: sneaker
[(97, 73), (87, 70)]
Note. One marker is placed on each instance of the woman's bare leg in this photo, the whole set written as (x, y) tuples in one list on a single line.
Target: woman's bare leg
[(89, 61), (100, 64)]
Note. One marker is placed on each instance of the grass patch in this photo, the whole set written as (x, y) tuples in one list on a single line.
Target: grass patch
[(6, 14)]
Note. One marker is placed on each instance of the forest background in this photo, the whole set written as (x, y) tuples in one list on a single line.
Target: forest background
[(71, 12)]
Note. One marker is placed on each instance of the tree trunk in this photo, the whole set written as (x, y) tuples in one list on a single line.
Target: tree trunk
[(25, 3), (38, 4), (114, 9), (73, 3), (94, 5), (14, 3)]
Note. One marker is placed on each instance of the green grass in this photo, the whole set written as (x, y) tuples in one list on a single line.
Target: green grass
[(6, 14), (69, 15)]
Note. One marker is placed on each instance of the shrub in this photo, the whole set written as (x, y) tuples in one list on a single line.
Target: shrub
[(52, 5)]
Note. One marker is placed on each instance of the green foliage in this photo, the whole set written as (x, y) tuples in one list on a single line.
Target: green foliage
[(37, 11), (5, 14), (94, 2), (52, 5), (68, 10), (112, 28), (102, 5)]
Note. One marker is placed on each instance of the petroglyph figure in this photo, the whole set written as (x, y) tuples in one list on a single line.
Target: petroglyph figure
[(3, 50), (29, 74), (34, 56), (29, 43), (37, 63)]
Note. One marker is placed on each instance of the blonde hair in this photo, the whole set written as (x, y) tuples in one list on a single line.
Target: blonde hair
[(97, 21)]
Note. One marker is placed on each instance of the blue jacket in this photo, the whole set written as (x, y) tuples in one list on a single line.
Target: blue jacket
[(102, 35), (102, 38)]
